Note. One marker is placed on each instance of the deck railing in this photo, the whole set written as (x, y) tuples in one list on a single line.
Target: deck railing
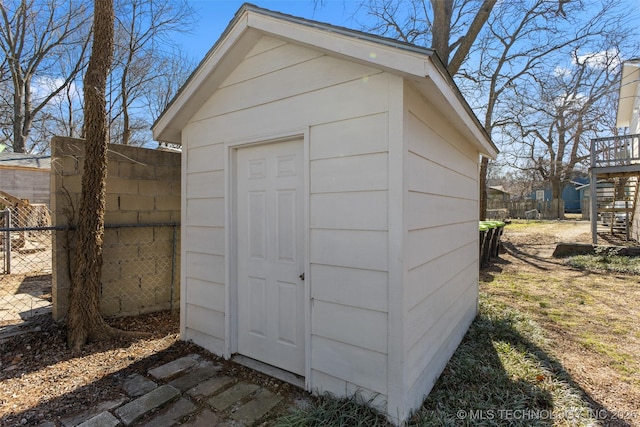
[(615, 151)]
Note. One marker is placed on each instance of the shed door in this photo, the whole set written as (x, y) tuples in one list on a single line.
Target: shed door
[(270, 182)]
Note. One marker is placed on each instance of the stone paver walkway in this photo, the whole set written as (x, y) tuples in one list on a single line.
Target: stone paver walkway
[(188, 391)]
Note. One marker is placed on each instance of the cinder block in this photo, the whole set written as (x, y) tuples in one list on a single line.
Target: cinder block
[(112, 167), (130, 202), (167, 173), (136, 170), (176, 186), (167, 203), (155, 217), (150, 187), (72, 184), (135, 267), (113, 202), (110, 306), (121, 217), (69, 165), (135, 235), (117, 185)]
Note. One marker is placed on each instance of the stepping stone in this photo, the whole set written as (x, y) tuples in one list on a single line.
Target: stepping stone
[(104, 419), (132, 411), (259, 405), (195, 376), (78, 418), (232, 395), (172, 368), (177, 410), (205, 419), (209, 387), (137, 385)]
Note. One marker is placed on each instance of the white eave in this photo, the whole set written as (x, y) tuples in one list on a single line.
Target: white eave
[(628, 92), (418, 65)]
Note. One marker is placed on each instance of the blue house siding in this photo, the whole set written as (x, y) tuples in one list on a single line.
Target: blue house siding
[(572, 198)]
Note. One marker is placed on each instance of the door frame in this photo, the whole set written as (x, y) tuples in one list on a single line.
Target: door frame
[(231, 238)]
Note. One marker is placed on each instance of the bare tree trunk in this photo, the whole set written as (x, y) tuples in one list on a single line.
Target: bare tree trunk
[(442, 12), (482, 182), (85, 321)]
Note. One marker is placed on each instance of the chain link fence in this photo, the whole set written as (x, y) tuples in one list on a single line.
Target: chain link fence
[(25, 262), (140, 265)]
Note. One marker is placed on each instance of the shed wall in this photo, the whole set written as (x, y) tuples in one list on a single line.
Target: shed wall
[(278, 89), (26, 183), (442, 243)]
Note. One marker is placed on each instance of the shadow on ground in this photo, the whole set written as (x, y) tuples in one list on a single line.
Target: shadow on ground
[(476, 388)]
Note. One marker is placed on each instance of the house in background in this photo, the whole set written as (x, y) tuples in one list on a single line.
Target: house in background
[(572, 194), (319, 166), (496, 194), (617, 158), (26, 176)]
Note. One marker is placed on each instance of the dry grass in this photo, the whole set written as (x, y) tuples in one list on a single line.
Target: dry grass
[(589, 317)]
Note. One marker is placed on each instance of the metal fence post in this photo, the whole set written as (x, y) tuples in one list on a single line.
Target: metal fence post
[(7, 244), (173, 263)]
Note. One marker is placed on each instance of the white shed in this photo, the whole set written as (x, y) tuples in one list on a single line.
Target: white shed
[(330, 206)]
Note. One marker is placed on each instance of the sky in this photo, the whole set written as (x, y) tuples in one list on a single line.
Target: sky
[(213, 16)]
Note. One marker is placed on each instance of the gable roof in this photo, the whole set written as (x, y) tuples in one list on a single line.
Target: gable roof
[(26, 161), (419, 65)]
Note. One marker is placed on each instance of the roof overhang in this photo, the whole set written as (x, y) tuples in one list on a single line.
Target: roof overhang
[(628, 92), (418, 65)]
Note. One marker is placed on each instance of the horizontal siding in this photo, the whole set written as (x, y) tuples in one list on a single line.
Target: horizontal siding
[(281, 88), (265, 43), (324, 383), (206, 240), (441, 334), (426, 278), (204, 158), (354, 173), (427, 244), (424, 381), (427, 315), (365, 210), (267, 56), (424, 141), (205, 294), (432, 178), (360, 135), (349, 286), (211, 343), (210, 322), (203, 185), (205, 212), (349, 248), (428, 210), (356, 365), (350, 325), (441, 281), (298, 79), (205, 267), (335, 103)]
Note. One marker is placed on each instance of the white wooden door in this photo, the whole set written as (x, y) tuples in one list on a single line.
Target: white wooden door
[(270, 230)]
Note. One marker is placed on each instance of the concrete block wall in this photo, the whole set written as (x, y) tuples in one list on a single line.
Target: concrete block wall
[(140, 264)]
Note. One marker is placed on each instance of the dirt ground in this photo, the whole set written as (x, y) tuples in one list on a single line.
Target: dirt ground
[(590, 318)]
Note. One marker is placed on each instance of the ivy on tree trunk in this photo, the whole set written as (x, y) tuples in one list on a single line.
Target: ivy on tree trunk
[(84, 320)]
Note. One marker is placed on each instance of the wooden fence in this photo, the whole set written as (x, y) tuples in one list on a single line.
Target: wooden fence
[(526, 209)]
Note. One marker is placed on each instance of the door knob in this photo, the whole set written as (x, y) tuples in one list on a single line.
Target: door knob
[(301, 277)]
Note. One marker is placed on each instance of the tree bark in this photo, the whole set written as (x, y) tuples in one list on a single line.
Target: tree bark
[(482, 182), (85, 321), (441, 30)]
